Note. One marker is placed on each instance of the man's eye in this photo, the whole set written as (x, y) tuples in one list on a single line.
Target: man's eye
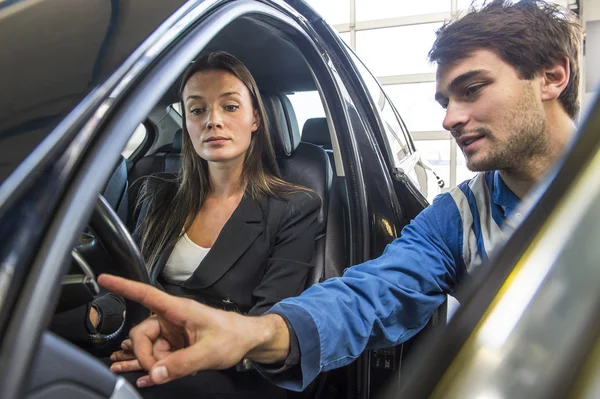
[(474, 89), (231, 108)]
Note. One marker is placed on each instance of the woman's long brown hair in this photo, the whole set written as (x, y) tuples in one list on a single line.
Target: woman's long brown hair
[(166, 215)]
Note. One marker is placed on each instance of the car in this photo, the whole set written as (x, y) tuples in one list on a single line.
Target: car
[(89, 106)]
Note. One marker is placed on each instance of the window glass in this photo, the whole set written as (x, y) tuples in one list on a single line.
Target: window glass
[(307, 104), (416, 104), (398, 50), (397, 141), (346, 37), (466, 4), (332, 11), (437, 154), (367, 10), (177, 107), (462, 172), (135, 141)]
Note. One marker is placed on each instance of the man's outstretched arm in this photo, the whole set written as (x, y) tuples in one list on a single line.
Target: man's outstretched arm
[(380, 303)]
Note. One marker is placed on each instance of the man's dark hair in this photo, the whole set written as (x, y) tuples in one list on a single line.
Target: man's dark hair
[(529, 35)]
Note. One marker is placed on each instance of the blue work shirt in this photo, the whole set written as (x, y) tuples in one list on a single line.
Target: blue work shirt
[(385, 301)]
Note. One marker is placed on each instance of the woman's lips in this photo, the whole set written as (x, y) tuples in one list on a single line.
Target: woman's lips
[(216, 140)]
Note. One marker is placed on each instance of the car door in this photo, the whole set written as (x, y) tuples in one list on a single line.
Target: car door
[(394, 183), (46, 196)]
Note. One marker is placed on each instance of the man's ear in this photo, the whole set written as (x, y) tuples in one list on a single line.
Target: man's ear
[(256, 123), (555, 78)]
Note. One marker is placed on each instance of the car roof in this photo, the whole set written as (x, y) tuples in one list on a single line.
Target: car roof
[(57, 52)]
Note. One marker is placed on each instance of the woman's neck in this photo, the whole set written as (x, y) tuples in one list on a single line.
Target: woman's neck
[(225, 179)]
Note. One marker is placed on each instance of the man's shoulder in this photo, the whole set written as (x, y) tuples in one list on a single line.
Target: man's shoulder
[(467, 189), (456, 201)]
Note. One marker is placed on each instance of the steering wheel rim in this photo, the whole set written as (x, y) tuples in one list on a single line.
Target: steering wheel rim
[(128, 263)]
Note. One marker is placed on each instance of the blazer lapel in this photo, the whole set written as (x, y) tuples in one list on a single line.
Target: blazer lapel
[(237, 235), (160, 264)]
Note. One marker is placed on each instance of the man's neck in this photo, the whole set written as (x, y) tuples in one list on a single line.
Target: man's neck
[(520, 180)]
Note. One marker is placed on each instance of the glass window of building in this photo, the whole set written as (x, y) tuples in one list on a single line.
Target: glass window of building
[(367, 10), (417, 105), (398, 50)]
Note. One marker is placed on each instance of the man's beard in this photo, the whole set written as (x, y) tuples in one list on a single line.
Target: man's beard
[(524, 145)]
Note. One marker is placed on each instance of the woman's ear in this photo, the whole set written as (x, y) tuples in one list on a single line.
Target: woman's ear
[(256, 123), (555, 78)]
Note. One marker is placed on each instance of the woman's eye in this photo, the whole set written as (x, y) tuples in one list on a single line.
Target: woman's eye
[(231, 108), (196, 111)]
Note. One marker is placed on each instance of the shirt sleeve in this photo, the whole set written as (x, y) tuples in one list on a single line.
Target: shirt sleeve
[(379, 303)]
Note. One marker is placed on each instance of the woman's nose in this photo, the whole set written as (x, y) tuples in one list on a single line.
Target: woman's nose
[(214, 120)]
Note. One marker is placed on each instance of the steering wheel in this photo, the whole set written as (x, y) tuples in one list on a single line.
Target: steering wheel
[(108, 249)]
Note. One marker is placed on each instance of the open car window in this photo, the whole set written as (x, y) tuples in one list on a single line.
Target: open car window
[(136, 141)]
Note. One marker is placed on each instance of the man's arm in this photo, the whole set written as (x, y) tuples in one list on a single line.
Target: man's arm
[(376, 304), (379, 303)]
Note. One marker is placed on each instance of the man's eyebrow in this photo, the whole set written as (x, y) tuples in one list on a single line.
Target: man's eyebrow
[(457, 81), (464, 77)]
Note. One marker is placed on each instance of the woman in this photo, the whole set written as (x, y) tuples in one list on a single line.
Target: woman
[(227, 230)]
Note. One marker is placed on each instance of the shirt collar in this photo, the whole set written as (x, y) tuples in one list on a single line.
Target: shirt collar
[(503, 196)]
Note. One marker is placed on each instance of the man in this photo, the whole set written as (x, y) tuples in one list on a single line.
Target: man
[(508, 76)]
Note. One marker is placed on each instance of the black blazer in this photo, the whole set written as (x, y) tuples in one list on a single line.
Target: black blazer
[(262, 255)]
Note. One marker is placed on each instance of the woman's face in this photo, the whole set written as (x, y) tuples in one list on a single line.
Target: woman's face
[(219, 116)]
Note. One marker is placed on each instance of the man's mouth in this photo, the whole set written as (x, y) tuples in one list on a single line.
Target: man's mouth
[(465, 142)]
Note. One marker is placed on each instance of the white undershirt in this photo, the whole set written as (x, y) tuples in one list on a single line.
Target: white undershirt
[(184, 260)]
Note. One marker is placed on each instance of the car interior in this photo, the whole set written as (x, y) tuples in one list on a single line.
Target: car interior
[(305, 154)]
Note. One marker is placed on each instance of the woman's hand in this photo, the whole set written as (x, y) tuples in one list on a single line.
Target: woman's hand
[(125, 361)]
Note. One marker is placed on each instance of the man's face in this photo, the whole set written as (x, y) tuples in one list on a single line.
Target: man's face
[(496, 117)]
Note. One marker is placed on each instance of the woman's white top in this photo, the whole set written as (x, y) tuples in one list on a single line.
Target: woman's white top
[(184, 260)]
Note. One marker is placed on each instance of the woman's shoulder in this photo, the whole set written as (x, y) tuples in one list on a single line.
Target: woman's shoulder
[(300, 200)]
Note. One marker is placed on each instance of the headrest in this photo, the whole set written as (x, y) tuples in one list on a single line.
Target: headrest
[(316, 131), (283, 124), (176, 146)]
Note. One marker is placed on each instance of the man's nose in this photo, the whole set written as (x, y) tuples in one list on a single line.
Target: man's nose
[(456, 117)]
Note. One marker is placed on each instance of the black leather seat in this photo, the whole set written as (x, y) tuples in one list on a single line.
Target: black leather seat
[(115, 191), (301, 163), (166, 159), (316, 131)]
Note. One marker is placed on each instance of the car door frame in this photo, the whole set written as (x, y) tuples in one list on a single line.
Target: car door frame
[(57, 184)]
